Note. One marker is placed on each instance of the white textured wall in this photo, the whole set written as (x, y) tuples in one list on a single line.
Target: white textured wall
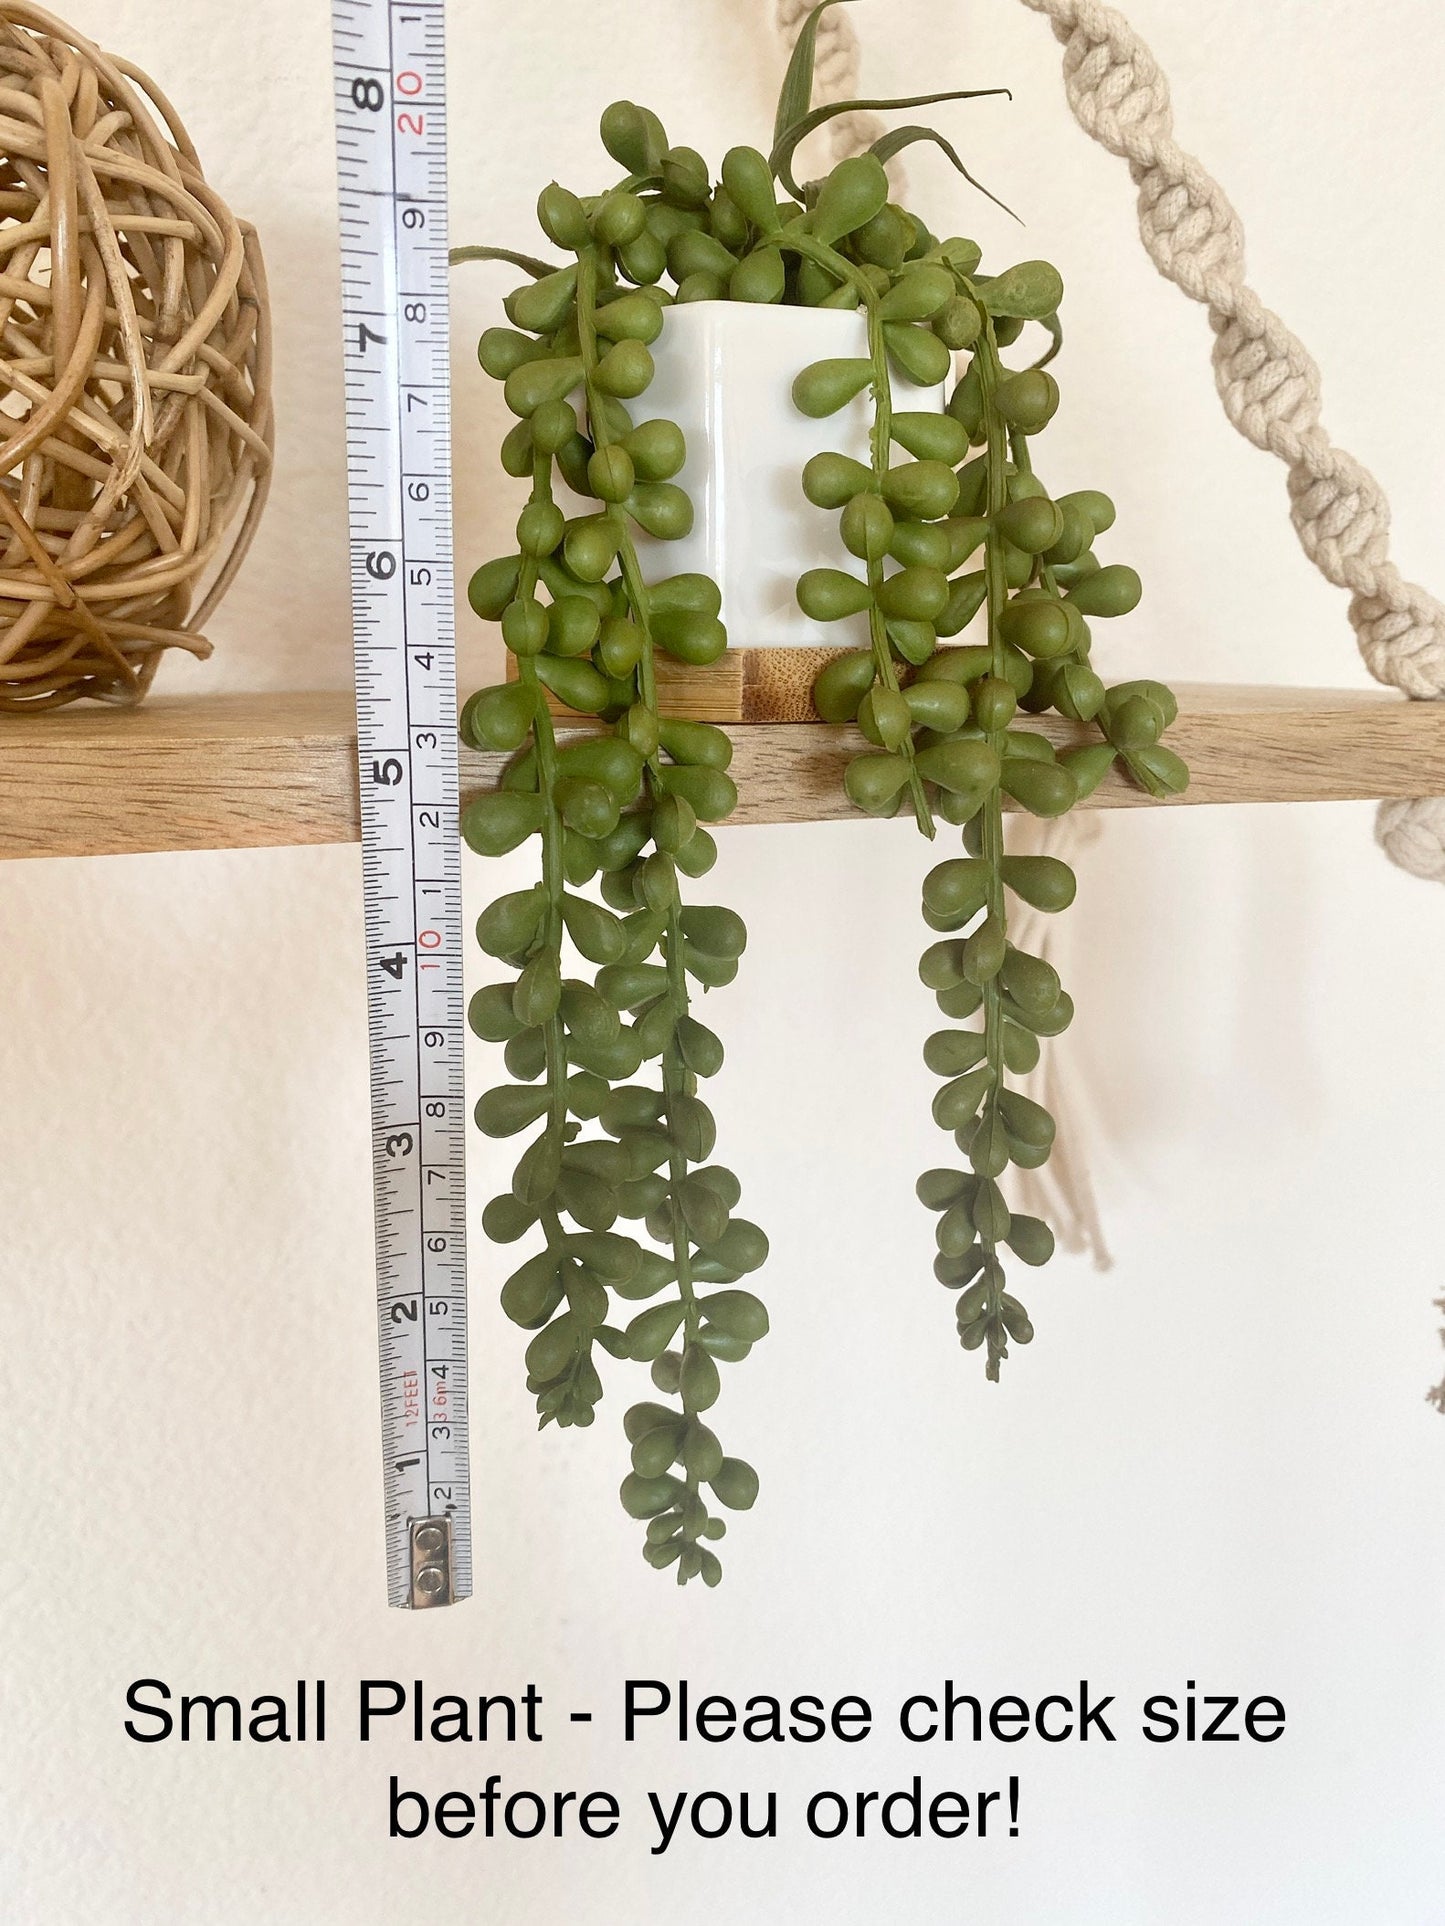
[(1216, 1463)]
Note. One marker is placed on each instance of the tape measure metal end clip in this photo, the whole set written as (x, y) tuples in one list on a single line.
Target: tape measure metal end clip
[(431, 1562)]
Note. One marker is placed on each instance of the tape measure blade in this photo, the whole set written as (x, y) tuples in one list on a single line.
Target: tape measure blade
[(390, 85)]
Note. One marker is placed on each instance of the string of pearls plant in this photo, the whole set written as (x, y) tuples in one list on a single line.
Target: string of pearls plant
[(602, 1043)]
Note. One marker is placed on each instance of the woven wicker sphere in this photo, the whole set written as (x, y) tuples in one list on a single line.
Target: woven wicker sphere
[(135, 375)]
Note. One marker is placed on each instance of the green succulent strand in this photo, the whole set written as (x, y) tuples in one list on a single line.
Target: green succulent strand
[(881, 446), (585, 627), (1001, 1317), (944, 721), (696, 1386)]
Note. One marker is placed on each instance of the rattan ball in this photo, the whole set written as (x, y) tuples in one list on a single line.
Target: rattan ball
[(135, 374)]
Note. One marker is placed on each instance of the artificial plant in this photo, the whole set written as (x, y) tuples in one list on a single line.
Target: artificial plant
[(945, 537)]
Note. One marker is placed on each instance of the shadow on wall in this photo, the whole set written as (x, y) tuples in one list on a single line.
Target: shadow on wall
[(1189, 954)]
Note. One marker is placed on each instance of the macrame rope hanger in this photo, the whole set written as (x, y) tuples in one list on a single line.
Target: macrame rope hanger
[(1267, 380)]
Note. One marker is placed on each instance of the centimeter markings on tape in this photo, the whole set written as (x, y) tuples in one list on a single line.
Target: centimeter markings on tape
[(390, 82)]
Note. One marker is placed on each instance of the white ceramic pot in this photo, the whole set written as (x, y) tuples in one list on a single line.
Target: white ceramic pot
[(725, 371)]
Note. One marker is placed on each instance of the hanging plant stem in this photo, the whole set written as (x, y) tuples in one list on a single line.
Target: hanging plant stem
[(629, 805), (945, 720), (880, 445), (991, 837), (696, 1376)]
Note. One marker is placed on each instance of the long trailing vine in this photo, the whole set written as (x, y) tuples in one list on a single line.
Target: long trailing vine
[(602, 993), (630, 806), (954, 722)]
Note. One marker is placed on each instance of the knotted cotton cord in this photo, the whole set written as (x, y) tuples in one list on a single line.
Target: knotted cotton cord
[(1268, 382)]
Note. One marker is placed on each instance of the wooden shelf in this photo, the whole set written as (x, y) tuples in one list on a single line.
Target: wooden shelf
[(179, 772), (233, 771)]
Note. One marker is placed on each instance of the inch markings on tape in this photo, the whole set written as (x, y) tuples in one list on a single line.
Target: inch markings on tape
[(390, 82)]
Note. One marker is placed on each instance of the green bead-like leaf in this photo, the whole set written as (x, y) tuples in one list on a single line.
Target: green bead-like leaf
[(736, 1484), (852, 194), (826, 386), (1043, 881), (1029, 291), (553, 1349), (651, 1331), (737, 1314), (509, 1108)]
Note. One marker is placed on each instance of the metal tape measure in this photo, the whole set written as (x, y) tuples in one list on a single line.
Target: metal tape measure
[(390, 80)]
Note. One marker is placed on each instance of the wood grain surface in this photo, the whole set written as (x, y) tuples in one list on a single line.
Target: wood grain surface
[(180, 772), (242, 771)]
